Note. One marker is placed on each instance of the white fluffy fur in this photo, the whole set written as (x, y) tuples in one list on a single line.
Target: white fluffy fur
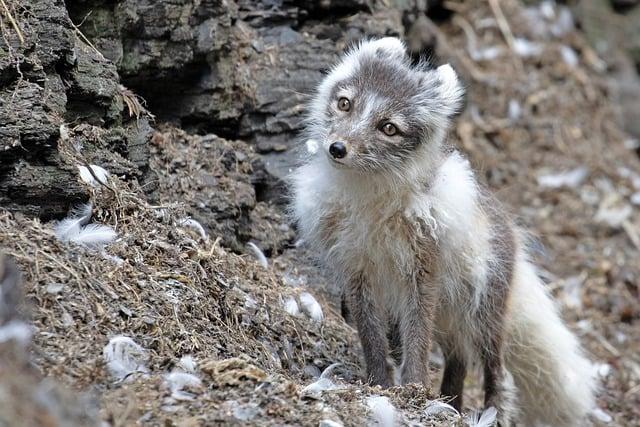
[(554, 380)]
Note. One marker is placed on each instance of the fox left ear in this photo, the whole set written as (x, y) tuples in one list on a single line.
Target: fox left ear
[(386, 47), (450, 89)]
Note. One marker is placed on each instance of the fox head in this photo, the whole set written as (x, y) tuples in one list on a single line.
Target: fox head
[(375, 111)]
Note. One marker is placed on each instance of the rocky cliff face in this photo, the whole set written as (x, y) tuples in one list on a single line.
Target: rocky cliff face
[(239, 69), (50, 79)]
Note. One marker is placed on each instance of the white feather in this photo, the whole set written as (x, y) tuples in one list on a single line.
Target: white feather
[(436, 407), (101, 174), (176, 382), (192, 223), (291, 306), (258, 254), (486, 418), (16, 330), (570, 179), (70, 226), (382, 411), (311, 306), (601, 416), (94, 235), (113, 258), (323, 383), (526, 48), (64, 132), (124, 357), (187, 364)]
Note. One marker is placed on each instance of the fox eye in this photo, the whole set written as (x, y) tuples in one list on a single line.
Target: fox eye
[(389, 129), (344, 104)]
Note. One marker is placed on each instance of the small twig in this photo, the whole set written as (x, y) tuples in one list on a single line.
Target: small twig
[(505, 29), (503, 24), (13, 22), (458, 8), (85, 39), (632, 233), (104, 184), (472, 39)]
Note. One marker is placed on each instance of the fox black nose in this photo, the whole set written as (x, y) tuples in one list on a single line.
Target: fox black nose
[(338, 150)]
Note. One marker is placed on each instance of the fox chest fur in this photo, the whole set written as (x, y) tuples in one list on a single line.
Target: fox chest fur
[(390, 238), (386, 244)]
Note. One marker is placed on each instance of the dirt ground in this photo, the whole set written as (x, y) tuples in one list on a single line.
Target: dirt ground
[(540, 129)]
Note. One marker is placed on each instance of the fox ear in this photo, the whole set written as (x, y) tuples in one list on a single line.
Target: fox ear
[(387, 47), (450, 90)]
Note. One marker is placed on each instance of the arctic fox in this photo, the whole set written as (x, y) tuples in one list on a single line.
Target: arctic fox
[(421, 250)]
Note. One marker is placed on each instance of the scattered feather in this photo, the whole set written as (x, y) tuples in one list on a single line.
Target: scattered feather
[(100, 173), (311, 306), (613, 215), (602, 370), (547, 18), (320, 385), (258, 254), (78, 217), (584, 325), (192, 223), (486, 418), (94, 235), (250, 302), (631, 143), (570, 179), (601, 416), (124, 357), (54, 288), (242, 411), (547, 10), (382, 411), (485, 53), (113, 258), (526, 48), (436, 407), (630, 175), (187, 364), (17, 331), (76, 229), (177, 382), (323, 383), (514, 111), (635, 198), (569, 56), (563, 23), (291, 306), (64, 132), (572, 287), (330, 423)]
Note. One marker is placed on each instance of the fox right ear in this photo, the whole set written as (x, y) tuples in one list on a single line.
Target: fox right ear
[(450, 89)]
